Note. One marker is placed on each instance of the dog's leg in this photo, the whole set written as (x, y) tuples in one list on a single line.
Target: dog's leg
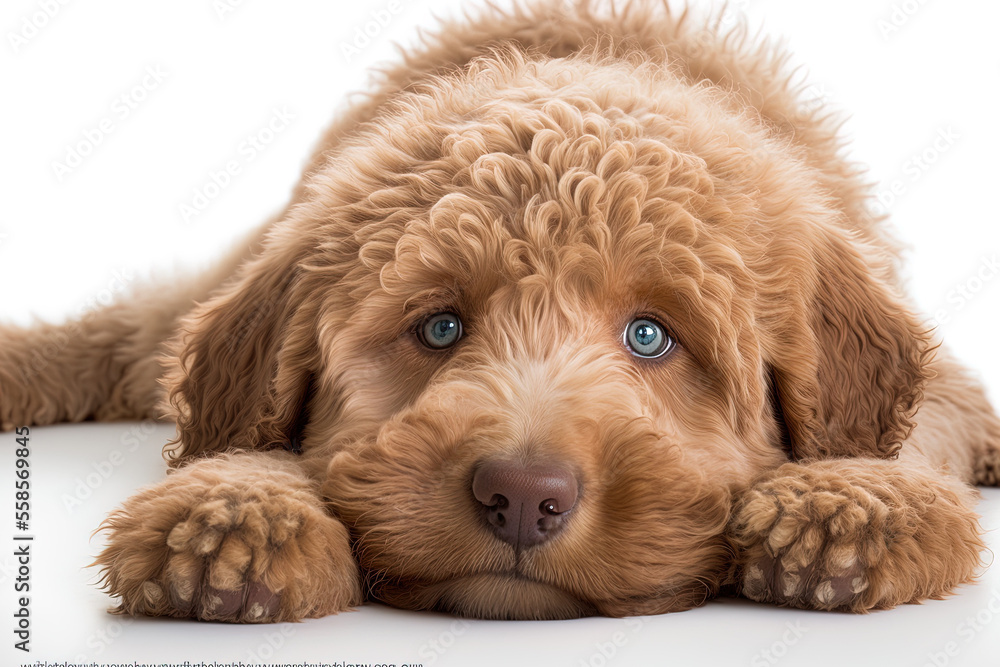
[(105, 363), (855, 534), (239, 538), (957, 426)]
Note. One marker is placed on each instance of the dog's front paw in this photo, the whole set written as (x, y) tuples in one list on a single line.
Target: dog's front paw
[(223, 545), (808, 538)]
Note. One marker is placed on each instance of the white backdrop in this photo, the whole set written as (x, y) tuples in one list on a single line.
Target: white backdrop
[(115, 115), (162, 96)]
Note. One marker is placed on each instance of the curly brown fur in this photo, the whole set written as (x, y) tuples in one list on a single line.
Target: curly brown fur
[(548, 174), (231, 538), (855, 535)]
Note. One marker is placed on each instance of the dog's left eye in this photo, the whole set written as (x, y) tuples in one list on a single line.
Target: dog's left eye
[(648, 338), (441, 330)]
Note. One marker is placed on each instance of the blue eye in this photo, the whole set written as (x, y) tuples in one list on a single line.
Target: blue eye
[(441, 330), (646, 338)]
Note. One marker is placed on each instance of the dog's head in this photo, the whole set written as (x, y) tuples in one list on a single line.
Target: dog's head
[(538, 322)]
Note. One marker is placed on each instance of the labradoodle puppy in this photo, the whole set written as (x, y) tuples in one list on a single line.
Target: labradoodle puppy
[(581, 312)]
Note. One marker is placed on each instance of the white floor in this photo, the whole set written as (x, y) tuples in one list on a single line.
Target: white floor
[(77, 478)]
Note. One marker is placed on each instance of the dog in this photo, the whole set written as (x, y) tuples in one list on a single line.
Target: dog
[(580, 312)]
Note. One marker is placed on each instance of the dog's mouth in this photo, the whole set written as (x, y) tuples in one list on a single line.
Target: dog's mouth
[(487, 595), (510, 595), (426, 536)]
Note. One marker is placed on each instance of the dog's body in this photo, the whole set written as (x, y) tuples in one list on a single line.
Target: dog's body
[(451, 323)]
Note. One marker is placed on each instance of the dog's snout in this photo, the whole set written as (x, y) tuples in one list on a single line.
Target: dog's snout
[(525, 505)]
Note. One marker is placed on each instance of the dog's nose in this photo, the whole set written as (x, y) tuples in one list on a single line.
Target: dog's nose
[(525, 505)]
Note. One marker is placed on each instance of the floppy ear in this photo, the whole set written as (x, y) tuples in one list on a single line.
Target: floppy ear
[(849, 371), (240, 374)]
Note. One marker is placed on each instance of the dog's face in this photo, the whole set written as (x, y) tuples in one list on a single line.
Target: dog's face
[(540, 322)]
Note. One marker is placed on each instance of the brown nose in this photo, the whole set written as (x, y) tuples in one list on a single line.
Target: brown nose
[(525, 505)]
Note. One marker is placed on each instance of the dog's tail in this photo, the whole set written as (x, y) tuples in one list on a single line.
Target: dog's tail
[(105, 363)]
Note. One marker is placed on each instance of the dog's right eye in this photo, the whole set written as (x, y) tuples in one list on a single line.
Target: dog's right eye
[(440, 330), (648, 338)]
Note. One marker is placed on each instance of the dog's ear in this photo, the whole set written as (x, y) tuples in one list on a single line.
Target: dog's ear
[(849, 367), (239, 376)]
